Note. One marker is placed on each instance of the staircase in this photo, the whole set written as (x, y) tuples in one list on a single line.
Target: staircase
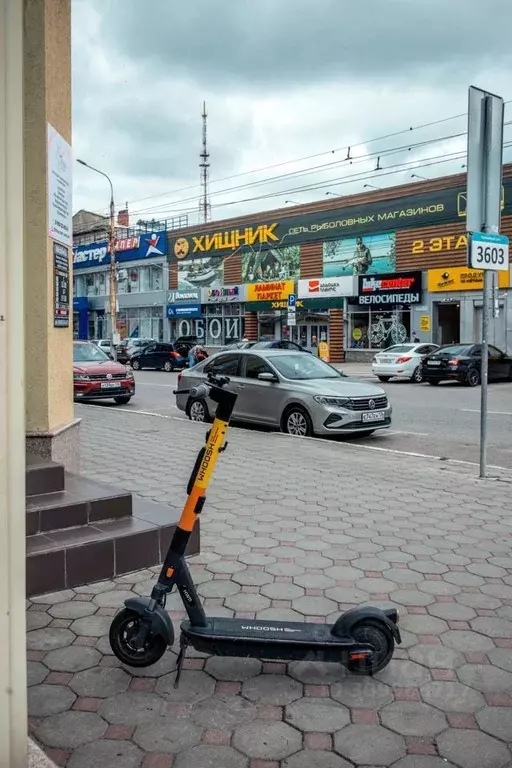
[(80, 531)]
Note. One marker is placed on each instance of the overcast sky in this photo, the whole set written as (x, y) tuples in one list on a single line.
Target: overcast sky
[(283, 80)]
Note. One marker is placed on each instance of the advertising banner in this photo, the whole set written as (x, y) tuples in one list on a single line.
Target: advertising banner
[(183, 310), (227, 294), (178, 297), (382, 290), (272, 264), (329, 287), (275, 291), (369, 255), (461, 279), (200, 273), (145, 246)]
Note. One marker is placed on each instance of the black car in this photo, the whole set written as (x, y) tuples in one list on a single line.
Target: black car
[(283, 344), (127, 347), (463, 363), (158, 355), (183, 345)]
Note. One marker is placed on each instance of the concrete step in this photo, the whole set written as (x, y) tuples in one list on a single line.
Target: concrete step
[(43, 477)]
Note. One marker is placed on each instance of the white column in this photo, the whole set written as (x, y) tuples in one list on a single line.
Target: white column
[(13, 684)]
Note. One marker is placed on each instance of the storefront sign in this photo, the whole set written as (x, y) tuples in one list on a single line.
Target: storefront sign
[(60, 187), (424, 323), (183, 310), (176, 297), (440, 244), (227, 294), (60, 286), (275, 291), (302, 305), (460, 279), (427, 209), (147, 246), (328, 287), (401, 288), (323, 351)]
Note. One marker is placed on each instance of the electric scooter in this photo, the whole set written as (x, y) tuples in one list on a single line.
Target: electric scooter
[(362, 639)]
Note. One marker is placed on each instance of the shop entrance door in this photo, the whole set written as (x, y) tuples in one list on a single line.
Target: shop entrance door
[(447, 327), (309, 334)]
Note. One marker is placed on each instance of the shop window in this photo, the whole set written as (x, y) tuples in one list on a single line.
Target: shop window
[(144, 279), (133, 280), (379, 330), (157, 281)]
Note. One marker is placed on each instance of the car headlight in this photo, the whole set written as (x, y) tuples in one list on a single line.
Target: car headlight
[(81, 377), (338, 402), (129, 375)]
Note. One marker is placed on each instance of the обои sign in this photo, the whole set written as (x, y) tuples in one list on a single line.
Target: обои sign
[(428, 209), (328, 287), (175, 297), (227, 294), (127, 249), (403, 288)]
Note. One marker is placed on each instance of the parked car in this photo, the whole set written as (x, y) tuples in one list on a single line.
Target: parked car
[(297, 393), (103, 344), (240, 345), (157, 355), (282, 344), (128, 346), (402, 361), (183, 344), (97, 377), (463, 363)]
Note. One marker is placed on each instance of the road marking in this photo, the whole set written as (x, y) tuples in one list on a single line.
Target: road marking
[(404, 432), (147, 384), (491, 413)]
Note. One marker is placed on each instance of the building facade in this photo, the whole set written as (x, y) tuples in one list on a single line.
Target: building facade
[(369, 271)]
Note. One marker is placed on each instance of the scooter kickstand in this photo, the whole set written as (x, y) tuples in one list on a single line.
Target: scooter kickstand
[(180, 660)]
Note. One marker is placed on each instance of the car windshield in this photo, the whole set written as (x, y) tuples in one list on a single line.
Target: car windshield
[(456, 349), (302, 367), (88, 353), (399, 348)]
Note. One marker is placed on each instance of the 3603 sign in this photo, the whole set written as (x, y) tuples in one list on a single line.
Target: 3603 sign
[(489, 251)]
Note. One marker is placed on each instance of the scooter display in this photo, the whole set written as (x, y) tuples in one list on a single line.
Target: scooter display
[(362, 638)]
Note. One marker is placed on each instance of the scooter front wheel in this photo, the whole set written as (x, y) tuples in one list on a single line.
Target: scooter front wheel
[(123, 632), (376, 634)]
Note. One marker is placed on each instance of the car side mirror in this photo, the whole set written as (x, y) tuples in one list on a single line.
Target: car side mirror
[(267, 376), (111, 356)]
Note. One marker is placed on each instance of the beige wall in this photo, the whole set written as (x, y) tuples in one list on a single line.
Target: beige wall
[(47, 94)]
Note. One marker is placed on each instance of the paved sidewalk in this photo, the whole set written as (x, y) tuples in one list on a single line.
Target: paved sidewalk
[(292, 529)]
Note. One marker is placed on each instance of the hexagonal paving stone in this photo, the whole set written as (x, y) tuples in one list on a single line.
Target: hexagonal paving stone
[(492, 627), (466, 641), (436, 656), (36, 673), (210, 757), (226, 566), (362, 693), (278, 591), (272, 690), (247, 602), (165, 665), (113, 599), (74, 658), (279, 614), (497, 721), (54, 597), (194, 686), (344, 573), (111, 753), (44, 700), (234, 669), (100, 682), (75, 609), (71, 729), (411, 597), (314, 606), (37, 620), (477, 600), (92, 626), (317, 758), (132, 708), (501, 657), (428, 566), (283, 569), (487, 571), (451, 611), (439, 588), (423, 761), (411, 718), (313, 581), (323, 715), (404, 674), (472, 749), (267, 740), (223, 711), (485, 678), (463, 579), (218, 588), (310, 672), (49, 638), (167, 735), (350, 595), (422, 624), (369, 745), (403, 576)]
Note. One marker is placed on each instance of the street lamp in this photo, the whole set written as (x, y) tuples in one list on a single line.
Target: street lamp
[(334, 194), (372, 186), (417, 176), (292, 202), (113, 274)]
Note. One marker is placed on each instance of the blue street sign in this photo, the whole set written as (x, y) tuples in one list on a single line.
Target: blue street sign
[(292, 299)]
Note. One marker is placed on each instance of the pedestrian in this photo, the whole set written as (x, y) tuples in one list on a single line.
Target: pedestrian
[(196, 355)]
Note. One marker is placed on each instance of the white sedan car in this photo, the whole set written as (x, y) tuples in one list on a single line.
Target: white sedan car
[(402, 361)]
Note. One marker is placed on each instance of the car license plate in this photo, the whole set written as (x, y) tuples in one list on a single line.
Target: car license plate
[(374, 416), (385, 359), (433, 362), (109, 385)]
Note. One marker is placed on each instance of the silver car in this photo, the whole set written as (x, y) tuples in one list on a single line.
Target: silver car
[(297, 393)]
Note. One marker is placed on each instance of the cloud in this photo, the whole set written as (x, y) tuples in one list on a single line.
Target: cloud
[(282, 79)]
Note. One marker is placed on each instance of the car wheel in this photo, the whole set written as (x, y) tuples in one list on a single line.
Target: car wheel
[(384, 378), (472, 377), (122, 400), (168, 366), (417, 376), (135, 365), (297, 421), (197, 410)]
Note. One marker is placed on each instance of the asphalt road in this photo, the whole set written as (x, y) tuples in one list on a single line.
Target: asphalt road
[(437, 421)]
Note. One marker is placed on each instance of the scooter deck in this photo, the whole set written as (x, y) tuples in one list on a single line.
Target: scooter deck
[(284, 640)]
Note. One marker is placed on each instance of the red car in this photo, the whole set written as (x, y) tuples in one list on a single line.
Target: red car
[(97, 377)]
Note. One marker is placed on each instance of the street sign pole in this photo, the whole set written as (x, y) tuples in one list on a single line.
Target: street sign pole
[(483, 213)]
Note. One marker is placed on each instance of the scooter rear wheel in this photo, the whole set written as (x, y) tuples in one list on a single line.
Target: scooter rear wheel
[(379, 636), (123, 631)]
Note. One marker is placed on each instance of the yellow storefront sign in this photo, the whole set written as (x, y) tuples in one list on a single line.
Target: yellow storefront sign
[(274, 291), (461, 279), (425, 323), (323, 351)]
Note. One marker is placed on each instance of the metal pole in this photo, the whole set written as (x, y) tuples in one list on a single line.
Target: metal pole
[(484, 373), (113, 278)]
